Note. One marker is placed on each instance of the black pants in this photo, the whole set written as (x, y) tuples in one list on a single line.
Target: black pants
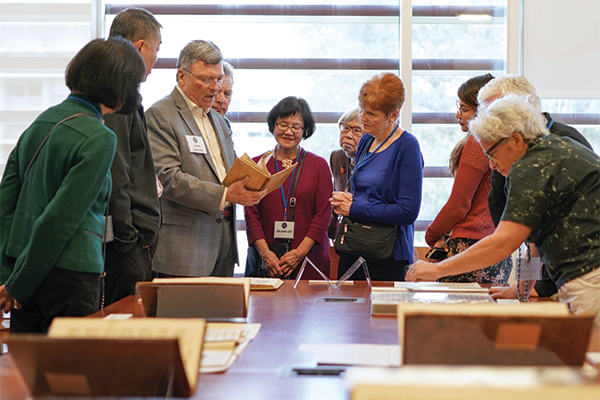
[(124, 270), (380, 270), (63, 293)]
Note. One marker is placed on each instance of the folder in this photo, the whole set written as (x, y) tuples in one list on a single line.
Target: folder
[(95, 357), (205, 297), (538, 334)]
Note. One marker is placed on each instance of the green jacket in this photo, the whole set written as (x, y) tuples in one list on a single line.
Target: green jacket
[(54, 219)]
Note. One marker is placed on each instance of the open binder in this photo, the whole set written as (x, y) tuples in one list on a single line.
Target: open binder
[(538, 334), (206, 297), (94, 357)]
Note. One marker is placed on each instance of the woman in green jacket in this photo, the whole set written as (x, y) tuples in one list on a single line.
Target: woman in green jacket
[(54, 191)]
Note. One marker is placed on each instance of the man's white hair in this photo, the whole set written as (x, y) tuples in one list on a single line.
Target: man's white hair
[(509, 84), (504, 116)]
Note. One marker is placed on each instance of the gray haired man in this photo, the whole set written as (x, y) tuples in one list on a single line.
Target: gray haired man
[(193, 151)]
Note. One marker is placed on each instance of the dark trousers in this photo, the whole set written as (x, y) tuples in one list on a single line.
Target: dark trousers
[(63, 293), (380, 270), (124, 270)]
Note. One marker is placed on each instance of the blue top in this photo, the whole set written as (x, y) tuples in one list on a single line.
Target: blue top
[(388, 188)]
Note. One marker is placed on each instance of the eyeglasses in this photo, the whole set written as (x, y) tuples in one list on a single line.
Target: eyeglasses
[(356, 131), (462, 110), (489, 151), (284, 127), (208, 81)]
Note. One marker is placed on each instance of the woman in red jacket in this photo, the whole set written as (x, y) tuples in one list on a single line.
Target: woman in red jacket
[(465, 218)]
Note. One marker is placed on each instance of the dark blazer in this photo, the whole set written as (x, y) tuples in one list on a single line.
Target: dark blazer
[(134, 203), (192, 222), (339, 164)]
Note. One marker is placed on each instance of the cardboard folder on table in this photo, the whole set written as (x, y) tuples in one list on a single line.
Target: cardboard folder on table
[(206, 297), (260, 177), (531, 334), (96, 357)]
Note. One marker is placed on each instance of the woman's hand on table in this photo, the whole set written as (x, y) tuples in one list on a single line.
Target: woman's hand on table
[(510, 292), (341, 202)]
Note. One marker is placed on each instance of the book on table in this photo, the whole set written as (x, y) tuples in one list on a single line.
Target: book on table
[(260, 177), (384, 300), (203, 297), (524, 334), (98, 357), (265, 283), (417, 382)]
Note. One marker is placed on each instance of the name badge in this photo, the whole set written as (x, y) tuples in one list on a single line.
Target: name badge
[(195, 144), (530, 269), (284, 230)]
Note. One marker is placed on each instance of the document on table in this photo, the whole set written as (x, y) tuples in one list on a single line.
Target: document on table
[(224, 343), (380, 355)]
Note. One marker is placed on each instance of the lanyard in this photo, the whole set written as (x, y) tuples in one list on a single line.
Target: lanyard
[(550, 124), (285, 201), (71, 97), (365, 156)]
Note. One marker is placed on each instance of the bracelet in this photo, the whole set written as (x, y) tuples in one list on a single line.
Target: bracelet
[(266, 253)]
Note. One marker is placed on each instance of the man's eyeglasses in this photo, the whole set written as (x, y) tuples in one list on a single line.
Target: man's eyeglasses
[(356, 131), (489, 151), (462, 110), (284, 127), (208, 81)]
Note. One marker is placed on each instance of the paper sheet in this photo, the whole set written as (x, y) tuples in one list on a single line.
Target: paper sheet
[(354, 354)]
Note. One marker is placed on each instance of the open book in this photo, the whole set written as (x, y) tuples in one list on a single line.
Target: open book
[(204, 297), (542, 334), (384, 300), (265, 283), (260, 178), (98, 357), (224, 343)]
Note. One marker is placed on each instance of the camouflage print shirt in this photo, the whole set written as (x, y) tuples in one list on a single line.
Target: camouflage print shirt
[(554, 188)]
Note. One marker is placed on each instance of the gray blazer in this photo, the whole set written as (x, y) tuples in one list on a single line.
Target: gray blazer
[(192, 228)]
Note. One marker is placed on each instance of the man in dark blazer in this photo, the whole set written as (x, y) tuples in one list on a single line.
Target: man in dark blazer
[(193, 151), (133, 205)]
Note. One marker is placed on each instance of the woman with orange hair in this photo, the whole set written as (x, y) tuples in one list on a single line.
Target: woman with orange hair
[(387, 178)]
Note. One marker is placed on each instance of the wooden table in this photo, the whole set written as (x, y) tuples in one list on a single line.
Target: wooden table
[(289, 317)]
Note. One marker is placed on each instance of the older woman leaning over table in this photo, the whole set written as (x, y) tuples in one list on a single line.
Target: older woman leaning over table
[(553, 202)]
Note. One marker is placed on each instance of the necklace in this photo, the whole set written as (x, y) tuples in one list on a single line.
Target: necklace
[(525, 296), (287, 163)]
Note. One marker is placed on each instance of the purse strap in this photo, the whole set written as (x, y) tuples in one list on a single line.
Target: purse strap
[(37, 152)]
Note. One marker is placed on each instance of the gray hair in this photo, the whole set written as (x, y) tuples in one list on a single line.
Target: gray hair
[(349, 115), (134, 24), (509, 84), (199, 50), (228, 70), (504, 116)]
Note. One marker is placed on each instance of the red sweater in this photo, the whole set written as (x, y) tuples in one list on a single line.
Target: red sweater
[(311, 216), (466, 211)]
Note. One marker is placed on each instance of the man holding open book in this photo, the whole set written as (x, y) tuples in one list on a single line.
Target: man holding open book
[(193, 150)]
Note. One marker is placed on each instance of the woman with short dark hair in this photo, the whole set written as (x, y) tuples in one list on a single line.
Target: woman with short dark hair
[(387, 178), (54, 191), (278, 254)]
